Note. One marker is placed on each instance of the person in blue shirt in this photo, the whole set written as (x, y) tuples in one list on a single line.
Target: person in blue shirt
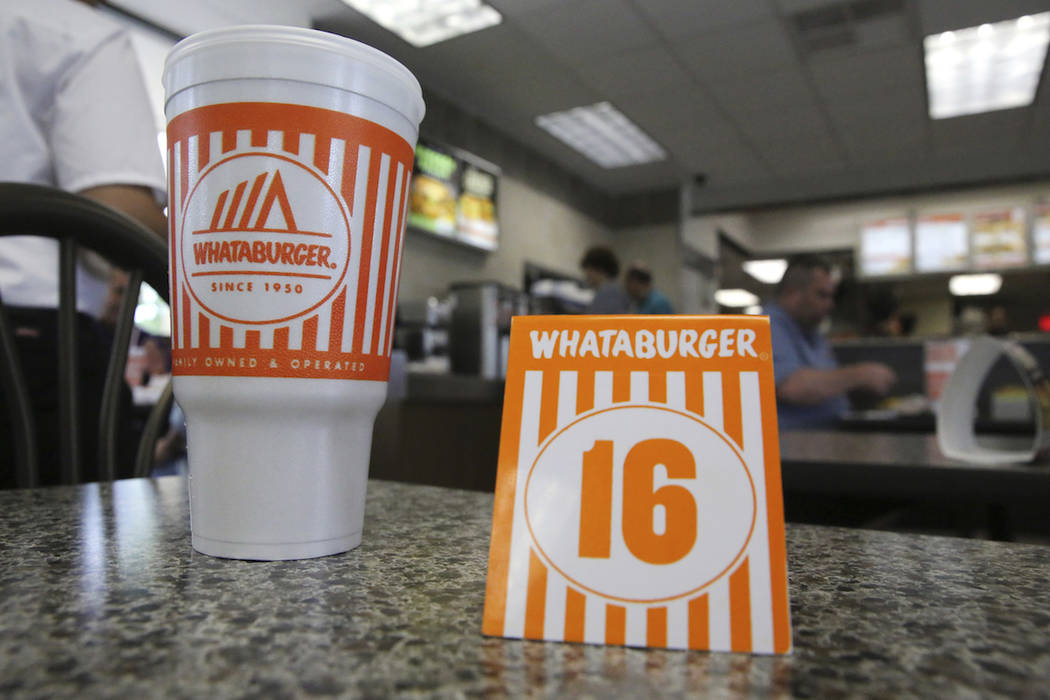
[(639, 284), (811, 387)]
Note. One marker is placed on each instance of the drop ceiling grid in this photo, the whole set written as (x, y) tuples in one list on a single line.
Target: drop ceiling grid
[(841, 78), (688, 19), (578, 30), (719, 84), (635, 72)]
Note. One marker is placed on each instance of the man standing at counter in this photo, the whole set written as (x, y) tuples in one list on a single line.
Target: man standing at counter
[(600, 268), (811, 387)]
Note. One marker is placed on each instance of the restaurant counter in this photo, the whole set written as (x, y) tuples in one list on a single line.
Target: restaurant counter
[(443, 387), (906, 466), (441, 430), (445, 432), (101, 595)]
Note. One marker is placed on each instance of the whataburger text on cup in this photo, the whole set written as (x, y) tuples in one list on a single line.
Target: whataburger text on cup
[(289, 158)]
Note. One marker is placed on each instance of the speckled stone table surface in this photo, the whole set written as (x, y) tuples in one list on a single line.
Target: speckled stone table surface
[(102, 596)]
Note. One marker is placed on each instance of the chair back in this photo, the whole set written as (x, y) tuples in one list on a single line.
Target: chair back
[(78, 222)]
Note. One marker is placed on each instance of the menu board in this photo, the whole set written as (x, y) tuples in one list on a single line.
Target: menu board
[(476, 213), (1041, 233), (998, 238), (941, 242), (454, 195), (885, 247)]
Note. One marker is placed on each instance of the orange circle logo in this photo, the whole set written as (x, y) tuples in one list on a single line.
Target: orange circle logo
[(640, 503), (264, 239)]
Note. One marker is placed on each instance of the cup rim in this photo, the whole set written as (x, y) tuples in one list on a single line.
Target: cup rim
[(335, 47)]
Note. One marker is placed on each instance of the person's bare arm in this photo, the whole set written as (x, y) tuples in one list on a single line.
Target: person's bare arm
[(135, 201), (809, 386)]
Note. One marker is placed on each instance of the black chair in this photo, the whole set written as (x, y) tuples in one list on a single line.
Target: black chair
[(75, 222)]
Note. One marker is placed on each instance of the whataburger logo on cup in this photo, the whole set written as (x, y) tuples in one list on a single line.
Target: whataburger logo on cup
[(286, 241), (638, 496), (259, 250)]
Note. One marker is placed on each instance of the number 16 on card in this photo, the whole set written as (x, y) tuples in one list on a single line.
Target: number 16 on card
[(632, 514)]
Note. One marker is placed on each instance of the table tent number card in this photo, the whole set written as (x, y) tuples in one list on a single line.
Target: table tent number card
[(638, 497)]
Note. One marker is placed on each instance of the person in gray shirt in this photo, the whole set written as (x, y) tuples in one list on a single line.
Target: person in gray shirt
[(601, 268)]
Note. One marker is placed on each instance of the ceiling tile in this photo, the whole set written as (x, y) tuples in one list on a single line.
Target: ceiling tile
[(729, 160), (802, 5), (513, 8), (687, 18), (639, 72), (750, 49), (1039, 119), (781, 125), (737, 171), (993, 131), (768, 91), (542, 85), (893, 30), (656, 175), (586, 29), (673, 109), (812, 154), (866, 73), (897, 107), (884, 141), (941, 15), (882, 122), (713, 143)]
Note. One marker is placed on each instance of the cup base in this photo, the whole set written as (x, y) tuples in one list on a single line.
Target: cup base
[(274, 552)]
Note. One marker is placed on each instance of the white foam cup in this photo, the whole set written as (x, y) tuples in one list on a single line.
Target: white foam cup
[(289, 157)]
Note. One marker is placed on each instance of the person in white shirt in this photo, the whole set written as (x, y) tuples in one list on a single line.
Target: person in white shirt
[(74, 114)]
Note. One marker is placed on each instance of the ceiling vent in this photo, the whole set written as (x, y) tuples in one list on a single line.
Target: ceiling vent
[(847, 25)]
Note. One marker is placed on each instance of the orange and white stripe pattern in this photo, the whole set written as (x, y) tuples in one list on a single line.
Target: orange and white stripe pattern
[(361, 161), (745, 610)]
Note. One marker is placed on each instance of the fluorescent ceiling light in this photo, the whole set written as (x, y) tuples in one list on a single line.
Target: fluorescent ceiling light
[(766, 271), (985, 68), (603, 134), (426, 22), (735, 298), (754, 310), (975, 285)]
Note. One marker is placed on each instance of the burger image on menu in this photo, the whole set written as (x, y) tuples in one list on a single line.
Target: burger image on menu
[(454, 194), (476, 219), (432, 205)]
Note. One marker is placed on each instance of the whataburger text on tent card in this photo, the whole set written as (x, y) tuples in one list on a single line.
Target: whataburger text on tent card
[(638, 498)]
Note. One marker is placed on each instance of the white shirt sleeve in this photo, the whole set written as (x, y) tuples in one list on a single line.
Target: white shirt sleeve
[(103, 129)]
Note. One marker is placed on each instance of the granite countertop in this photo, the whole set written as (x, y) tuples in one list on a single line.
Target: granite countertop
[(101, 595)]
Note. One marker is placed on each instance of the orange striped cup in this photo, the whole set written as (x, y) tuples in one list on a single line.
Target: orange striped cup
[(289, 158)]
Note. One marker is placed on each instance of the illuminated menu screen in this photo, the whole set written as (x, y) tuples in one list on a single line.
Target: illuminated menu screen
[(941, 242), (454, 196), (998, 238), (885, 247), (1041, 233)]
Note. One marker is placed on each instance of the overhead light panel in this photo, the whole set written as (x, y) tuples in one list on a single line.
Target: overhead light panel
[(986, 68), (766, 271), (975, 285), (603, 134), (425, 22), (735, 298)]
